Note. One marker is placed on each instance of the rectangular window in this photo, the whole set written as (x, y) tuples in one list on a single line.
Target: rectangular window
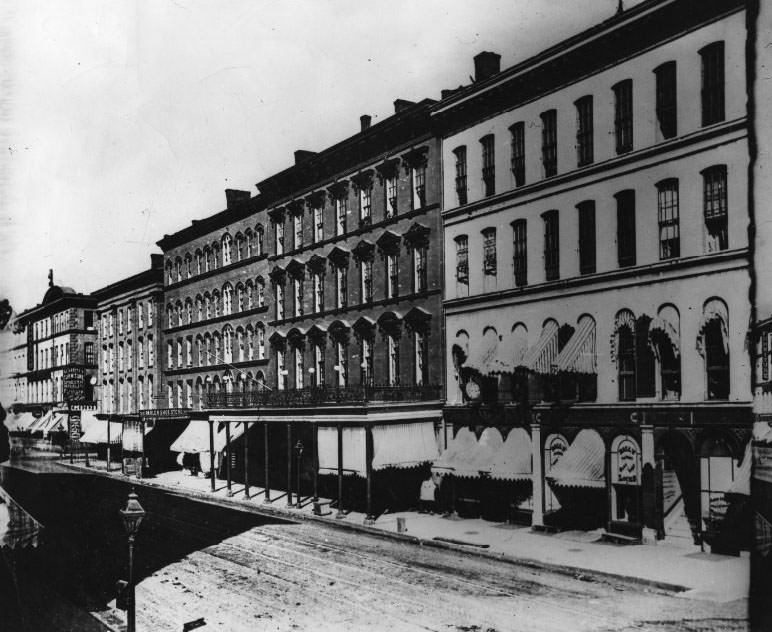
[(279, 238), (712, 83), (520, 256), (549, 142), (341, 286), (391, 196), (170, 355), (299, 367), (140, 353), (318, 224), (667, 111), (623, 115), (298, 283), (626, 363), (626, 245), (188, 352), (584, 131), (341, 363), (341, 209), (461, 188), (392, 276), (279, 301), (586, 237), (319, 364), (318, 292), (488, 165), (551, 245), (297, 221), (716, 208), (140, 315), (150, 352), (120, 322), (489, 251), (149, 314), (669, 231), (418, 177), (281, 371), (88, 348), (419, 269), (365, 205), (518, 153), (179, 353), (366, 272), (129, 355), (367, 361), (393, 360), (419, 346), (462, 259)]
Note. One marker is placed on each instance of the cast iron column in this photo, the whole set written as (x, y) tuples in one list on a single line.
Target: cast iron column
[(289, 464), (267, 498), (211, 453), (340, 513), (228, 452)]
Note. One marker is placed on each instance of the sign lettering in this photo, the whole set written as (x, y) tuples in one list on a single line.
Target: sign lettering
[(626, 470)]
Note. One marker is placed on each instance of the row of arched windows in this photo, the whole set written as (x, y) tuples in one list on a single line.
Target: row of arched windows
[(229, 300), (130, 396), (190, 393), (229, 249), (242, 344)]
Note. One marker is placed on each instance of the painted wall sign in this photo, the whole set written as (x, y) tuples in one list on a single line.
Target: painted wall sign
[(626, 462)]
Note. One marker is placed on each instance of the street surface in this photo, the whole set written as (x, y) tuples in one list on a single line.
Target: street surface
[(240, 571)]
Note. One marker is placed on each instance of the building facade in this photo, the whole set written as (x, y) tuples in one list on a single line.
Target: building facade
[(57, 335), (597, 269)]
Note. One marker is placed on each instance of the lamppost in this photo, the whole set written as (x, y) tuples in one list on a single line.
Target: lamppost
[(132, 517), (299, 454)]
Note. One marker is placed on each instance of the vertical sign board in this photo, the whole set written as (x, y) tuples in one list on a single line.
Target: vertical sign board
[(74, 392), (74, 429)]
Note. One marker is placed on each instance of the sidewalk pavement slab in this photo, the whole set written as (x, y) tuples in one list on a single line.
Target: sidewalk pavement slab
[(687, 570)]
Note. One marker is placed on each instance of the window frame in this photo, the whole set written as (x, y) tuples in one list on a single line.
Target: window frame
[(584, 131), (623, 115)]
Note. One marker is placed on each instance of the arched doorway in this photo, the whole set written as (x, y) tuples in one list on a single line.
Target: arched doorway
[(678, 493)]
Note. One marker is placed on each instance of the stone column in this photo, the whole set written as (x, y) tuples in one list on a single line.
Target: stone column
[(537, 475)]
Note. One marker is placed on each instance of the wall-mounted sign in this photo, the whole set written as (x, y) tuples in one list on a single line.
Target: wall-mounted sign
[(625, 462), (74, 426), (555, 448), (73, 385), (165, 413)]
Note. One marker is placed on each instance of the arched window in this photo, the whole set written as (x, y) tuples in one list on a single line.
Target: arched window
[(226, 249), (241, 346), (216, 304), (249, 292), (260, 286), (250, 334), (248, 242), (240, 298), (216, 350), (188, 266), (624, 328), (189, 310), (169, 272), (208, 265), (227, 299), (260, 342), (178, 269), (207, 306), (199, 262), (178, 309), (713, 345), (215, 256), (169, 316), (259, 240), (199, 308), (664, 342), (260, 380), (239, 246), (199, 351)]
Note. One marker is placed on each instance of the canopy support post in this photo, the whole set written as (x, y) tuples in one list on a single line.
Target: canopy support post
[(537, 477), (369, 518), (267, 499), (340, 513), (246, 460), (229, 453), (289, 464), (211, 453), (107, 465), (315, 433)]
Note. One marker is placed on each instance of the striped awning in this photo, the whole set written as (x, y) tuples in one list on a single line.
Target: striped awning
[(540, 357), (353, 440), (578, 355), (480, 460), (509, 353), (19, 422), (664, 329), (41, 422), (404, 445), (742, 475), (57, 422), (463, 443), (513, 460), (195, 438), (97, 432), (583, 464), (482, 354), (714, 310)]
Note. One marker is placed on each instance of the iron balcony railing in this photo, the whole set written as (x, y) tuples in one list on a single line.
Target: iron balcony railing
[(320, 395)]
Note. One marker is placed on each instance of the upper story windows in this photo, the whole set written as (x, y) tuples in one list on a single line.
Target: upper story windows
[(365, 204), (551, 245), (392, 275), (489, 251), (297, 229), (668, 214), (587, 246), (461, 184), (667, 110), (623, 115), (390, 192), (549, 142), (716, 208), (462, 260), (279, 237), (341, 210), (227, 243), (517, 158), (626, 246), (584, 131), (520, 252), (712, 83), (418, 181), (488, 165)]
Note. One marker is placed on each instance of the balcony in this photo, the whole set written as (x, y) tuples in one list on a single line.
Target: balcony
[(323, 395)]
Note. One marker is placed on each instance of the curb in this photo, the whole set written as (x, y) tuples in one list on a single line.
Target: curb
[(576, 572)]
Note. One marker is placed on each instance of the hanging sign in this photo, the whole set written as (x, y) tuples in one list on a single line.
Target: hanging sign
[(74, 426), (626, 462)]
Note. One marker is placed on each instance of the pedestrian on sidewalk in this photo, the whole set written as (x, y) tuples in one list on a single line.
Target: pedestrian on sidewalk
[(428, 498)]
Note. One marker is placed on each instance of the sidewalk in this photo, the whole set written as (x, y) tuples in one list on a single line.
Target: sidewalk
[(699, 575)]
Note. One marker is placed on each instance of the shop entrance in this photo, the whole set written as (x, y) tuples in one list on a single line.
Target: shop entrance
[(679, 493)]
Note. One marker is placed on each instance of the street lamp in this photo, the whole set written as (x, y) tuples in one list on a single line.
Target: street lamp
[(299, 454), (132, 516)]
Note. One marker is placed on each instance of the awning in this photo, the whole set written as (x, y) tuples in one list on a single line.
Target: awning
[(509, 353), (479, 460), (38, 424), (17, 528), (97, 432), (18, 422), (87, 419), (763, 532), (513, 460), (664, 330), (131, 437), (353, 450), (578, 355), (463, 443), (583, 464), (57, 422), (714, 310), (404, 445), (540, 357), (742, 475), (482, 354), (195, 438)]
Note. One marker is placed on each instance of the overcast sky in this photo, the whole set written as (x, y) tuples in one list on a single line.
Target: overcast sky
[(122, 121)]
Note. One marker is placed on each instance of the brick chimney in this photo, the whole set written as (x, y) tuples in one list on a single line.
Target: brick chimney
[(486, 64), (234, 196), (303, 154), (400, 105), (156, 261), (365, 120)]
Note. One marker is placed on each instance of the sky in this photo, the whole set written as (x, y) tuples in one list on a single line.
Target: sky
[(122, 121)]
